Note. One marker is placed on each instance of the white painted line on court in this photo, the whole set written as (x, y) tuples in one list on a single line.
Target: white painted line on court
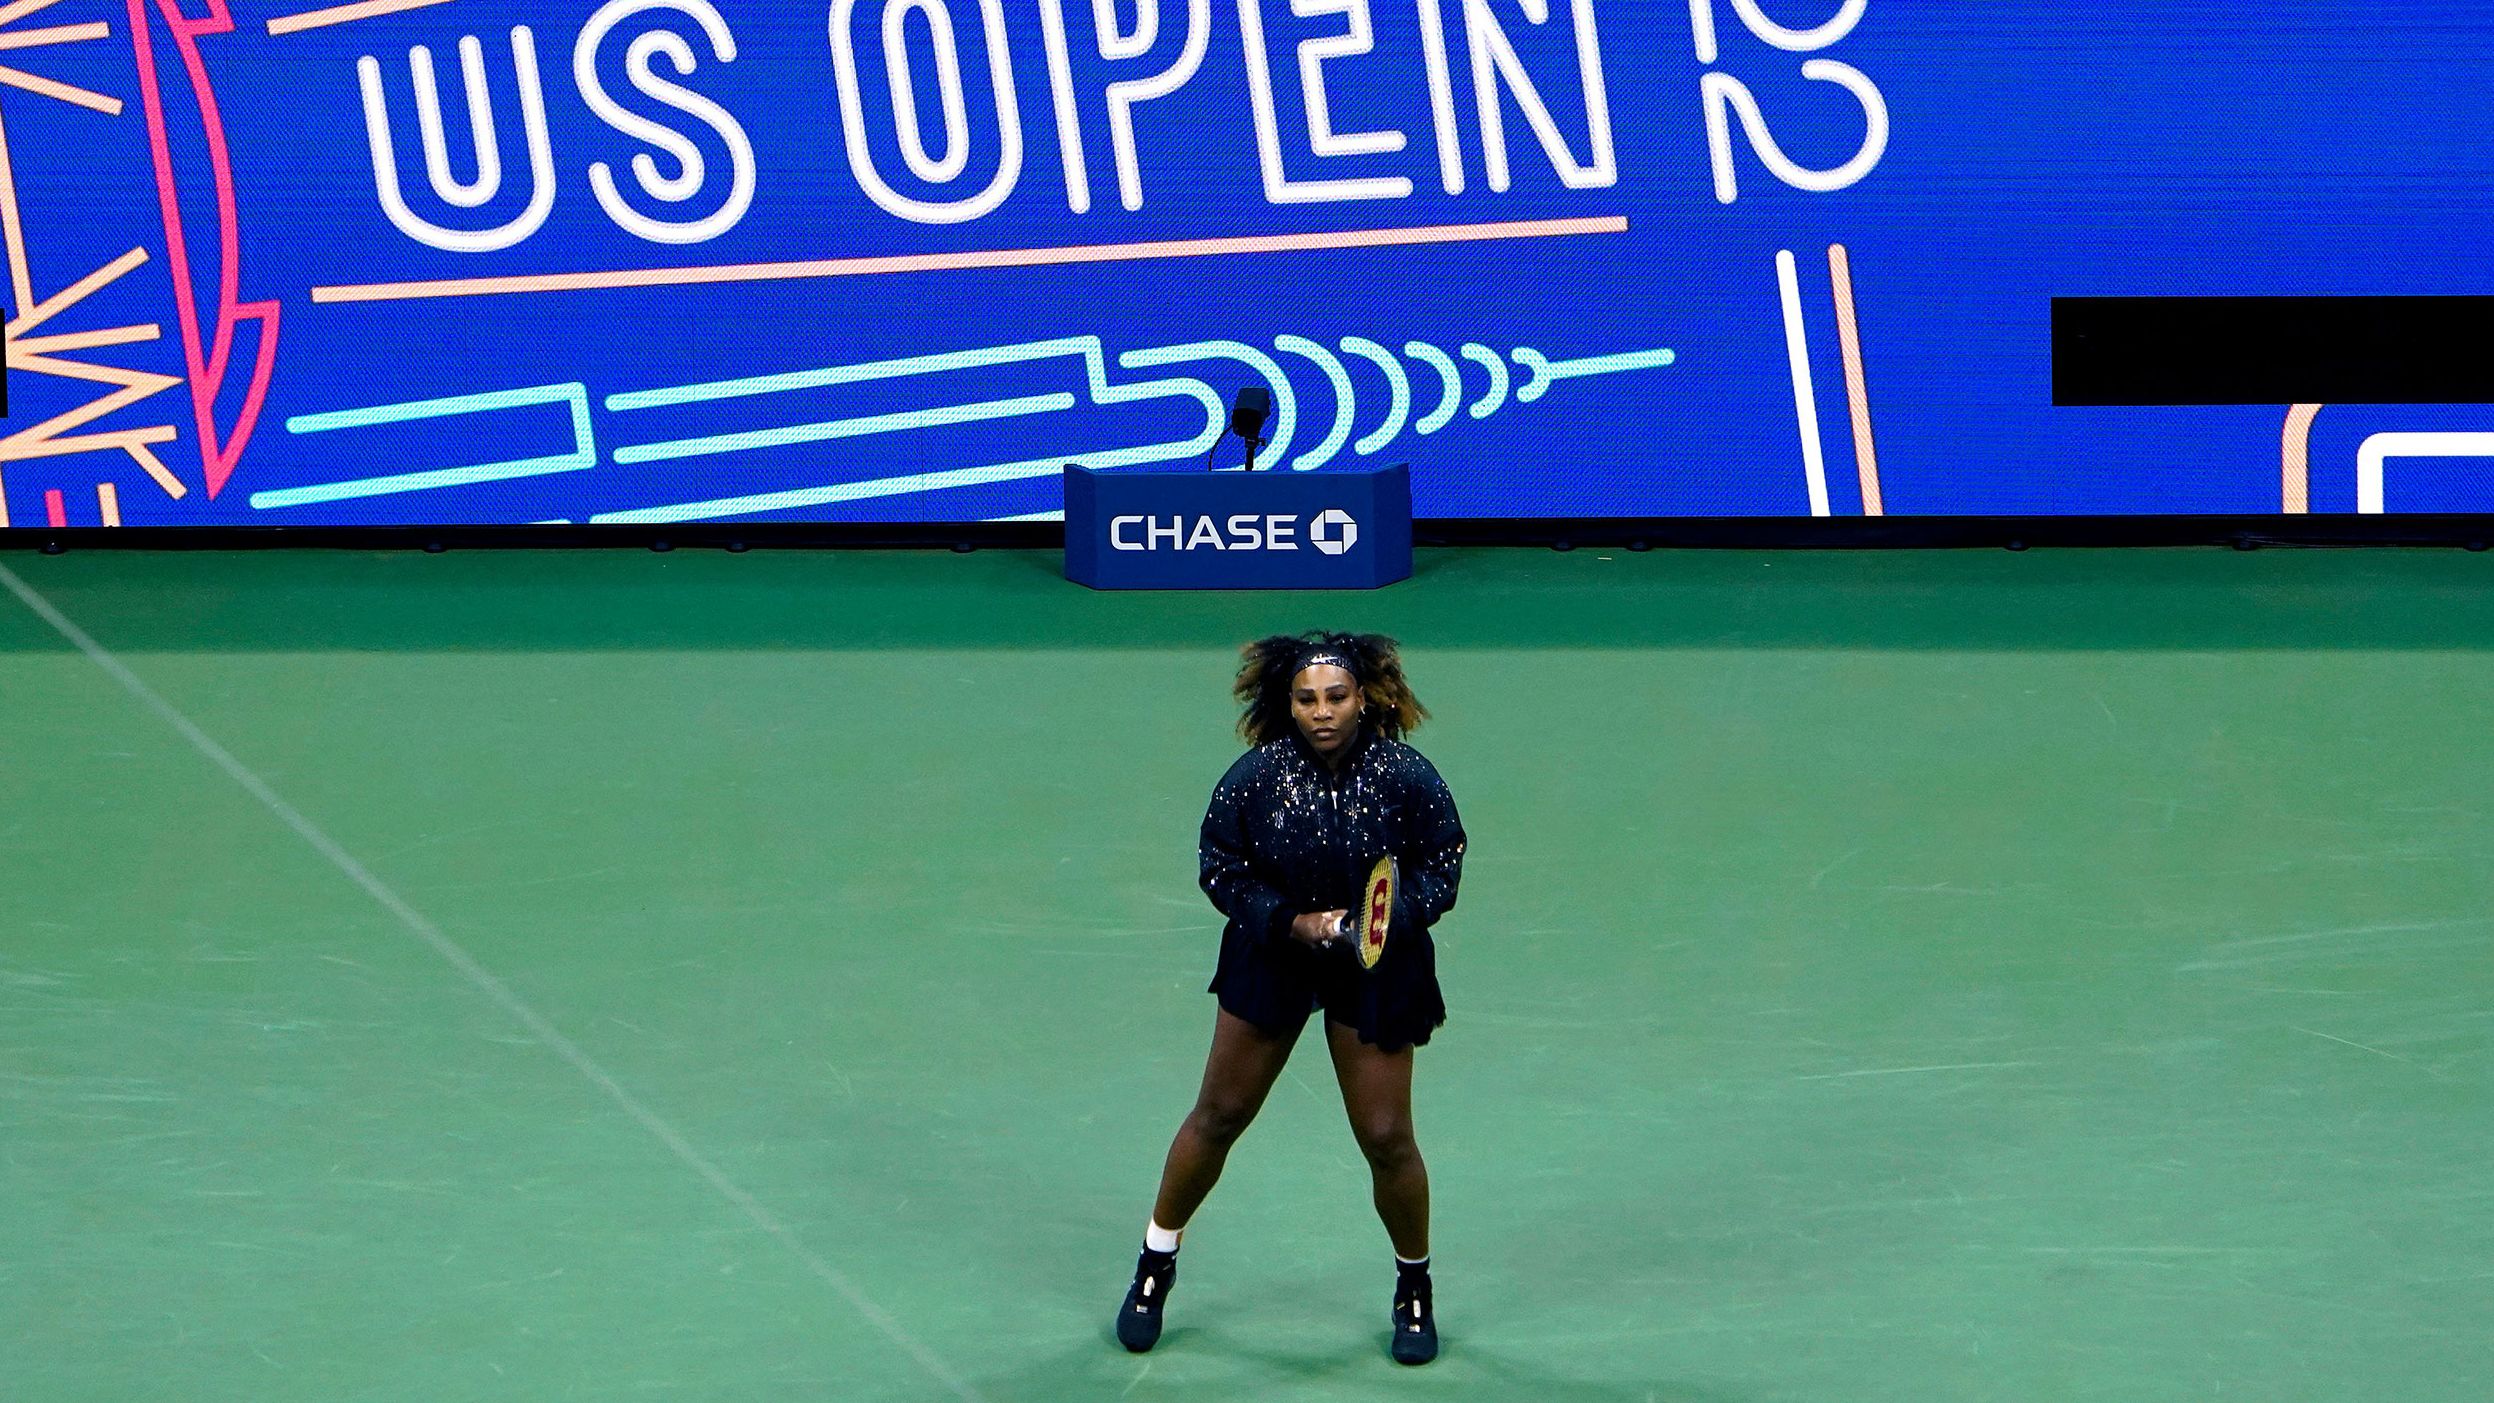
[(1902, 1071), (485, 980)]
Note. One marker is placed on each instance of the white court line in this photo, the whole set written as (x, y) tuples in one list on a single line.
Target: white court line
[(1805, 394), (485, 980), (1901, 1071)]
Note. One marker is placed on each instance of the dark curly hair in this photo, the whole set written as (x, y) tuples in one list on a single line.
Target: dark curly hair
[(1267, 665)]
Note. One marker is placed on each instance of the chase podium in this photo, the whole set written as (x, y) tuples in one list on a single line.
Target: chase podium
[(1238, 530)]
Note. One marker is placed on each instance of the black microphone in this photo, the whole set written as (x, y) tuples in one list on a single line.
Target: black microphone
[(1247, 415)]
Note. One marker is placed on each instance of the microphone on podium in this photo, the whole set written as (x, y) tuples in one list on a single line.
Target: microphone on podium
[(1248, 412)]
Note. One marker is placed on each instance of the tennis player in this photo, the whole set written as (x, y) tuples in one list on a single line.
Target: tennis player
[(1326, 789)]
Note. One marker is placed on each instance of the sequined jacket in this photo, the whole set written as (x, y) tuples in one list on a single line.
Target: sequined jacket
[(1285, 835)]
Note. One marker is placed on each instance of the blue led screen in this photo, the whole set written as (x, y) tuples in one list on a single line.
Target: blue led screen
[(479, 261)]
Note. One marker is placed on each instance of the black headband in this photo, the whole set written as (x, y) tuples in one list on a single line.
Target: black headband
[(1325, 656)]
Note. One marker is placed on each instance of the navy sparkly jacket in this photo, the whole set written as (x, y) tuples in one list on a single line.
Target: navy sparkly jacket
[(1285, 835)]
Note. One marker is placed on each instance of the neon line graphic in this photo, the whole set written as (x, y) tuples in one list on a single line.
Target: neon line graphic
[(1285, 398), (1346, 401), (1857, 379), (130, 386), (87, 340), (75, 293), (45, 38), (1398, 384), (844, 428), (1542, 371), (46, 87), (50, 355), (1496, 395), (46, 355), (58, 34), (1805, 397), (12, 226), (1702, 30), (108, 502), (208, 365), (854, 374), (1088, 349), (2380, 448), (1448, 375), (583, 452), (29, 443), (968, 259), (17, 10), (13, 232), (2295, 490), (345, 14), (55, 510)]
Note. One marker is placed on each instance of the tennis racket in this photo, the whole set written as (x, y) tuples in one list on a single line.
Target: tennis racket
[(1376, 912)]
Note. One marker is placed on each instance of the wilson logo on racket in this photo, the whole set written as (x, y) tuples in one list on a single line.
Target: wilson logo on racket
[(1376, 912)]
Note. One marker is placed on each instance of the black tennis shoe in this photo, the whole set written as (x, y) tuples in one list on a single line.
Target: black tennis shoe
[(1138, 1320), (1415, 1326)]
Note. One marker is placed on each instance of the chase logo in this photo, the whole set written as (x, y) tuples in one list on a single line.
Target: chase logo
[(1200, 530), (1333, 531)]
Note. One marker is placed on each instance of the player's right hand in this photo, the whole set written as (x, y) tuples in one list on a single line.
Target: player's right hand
[(1317, 928)]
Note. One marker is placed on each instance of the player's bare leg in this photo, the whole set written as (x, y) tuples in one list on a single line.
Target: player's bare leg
[(1238, 1074), (1377, 1094)]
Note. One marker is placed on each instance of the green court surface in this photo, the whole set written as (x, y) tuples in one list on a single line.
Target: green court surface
[(1879, 978)]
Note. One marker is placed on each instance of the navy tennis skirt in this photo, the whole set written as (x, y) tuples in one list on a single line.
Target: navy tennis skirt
[(1276, 983)]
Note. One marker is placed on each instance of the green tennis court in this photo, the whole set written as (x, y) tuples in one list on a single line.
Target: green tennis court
[(601, 976)]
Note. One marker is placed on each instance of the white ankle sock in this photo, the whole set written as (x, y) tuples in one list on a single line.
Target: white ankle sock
[(1160, 1239)]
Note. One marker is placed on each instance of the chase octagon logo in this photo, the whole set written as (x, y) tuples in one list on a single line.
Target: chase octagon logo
[(1333, 531)]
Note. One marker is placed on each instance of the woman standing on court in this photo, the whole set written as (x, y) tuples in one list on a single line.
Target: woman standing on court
[(1326, 788)]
